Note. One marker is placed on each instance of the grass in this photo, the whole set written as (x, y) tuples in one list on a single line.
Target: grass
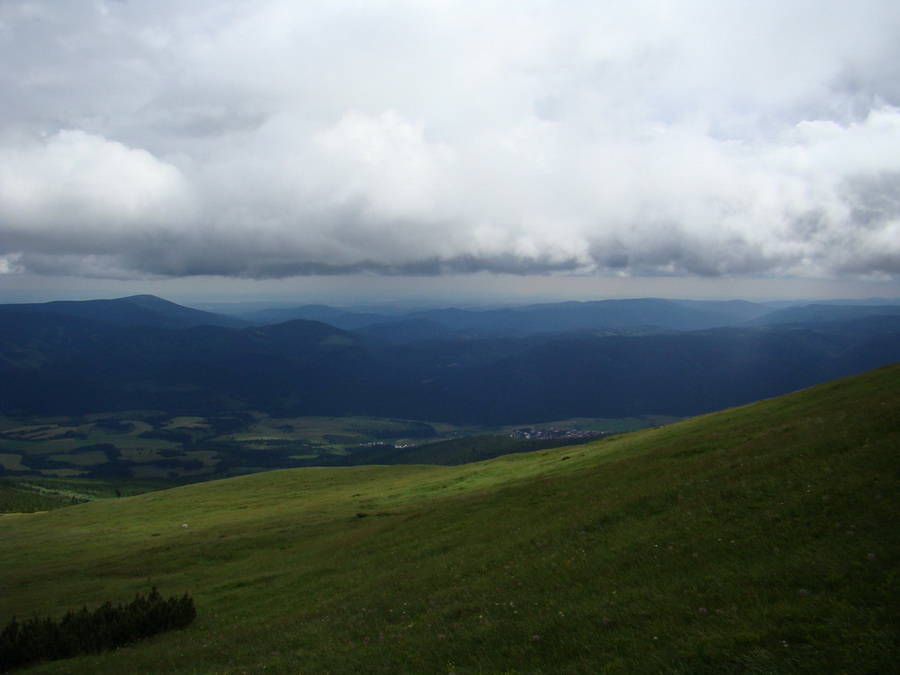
[(760, 539)]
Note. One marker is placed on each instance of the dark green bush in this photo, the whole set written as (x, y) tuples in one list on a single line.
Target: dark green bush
[(90, 632)]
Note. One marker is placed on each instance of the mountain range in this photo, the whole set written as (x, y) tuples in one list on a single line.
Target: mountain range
[(613, 358)]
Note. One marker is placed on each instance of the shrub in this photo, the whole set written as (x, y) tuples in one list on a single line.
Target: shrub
[(90, 632)]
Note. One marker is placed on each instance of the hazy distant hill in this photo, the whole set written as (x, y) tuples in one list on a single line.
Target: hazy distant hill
[(819, 313), (59, 364), (348, 319), (529, 319)]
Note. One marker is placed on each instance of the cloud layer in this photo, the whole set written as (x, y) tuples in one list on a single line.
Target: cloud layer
[(275, 138)]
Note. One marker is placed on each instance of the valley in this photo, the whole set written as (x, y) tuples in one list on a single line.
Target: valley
[(150, 445)]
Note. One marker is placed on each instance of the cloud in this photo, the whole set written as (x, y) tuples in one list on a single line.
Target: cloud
[(272, 139), (75, 192)]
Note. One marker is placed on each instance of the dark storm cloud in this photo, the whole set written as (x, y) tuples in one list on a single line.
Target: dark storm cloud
[(276, 139)]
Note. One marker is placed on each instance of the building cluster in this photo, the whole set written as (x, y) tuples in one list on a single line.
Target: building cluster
[(554, 432)]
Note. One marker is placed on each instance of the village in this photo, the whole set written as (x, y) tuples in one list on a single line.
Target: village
[(554, 432)]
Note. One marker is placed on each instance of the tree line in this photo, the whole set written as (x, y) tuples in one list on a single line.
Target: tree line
[(90, 632)]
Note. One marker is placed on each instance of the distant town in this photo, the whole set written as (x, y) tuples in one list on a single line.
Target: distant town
[(554, 432)]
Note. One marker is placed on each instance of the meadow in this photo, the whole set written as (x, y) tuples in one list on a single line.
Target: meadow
[(758, 539)]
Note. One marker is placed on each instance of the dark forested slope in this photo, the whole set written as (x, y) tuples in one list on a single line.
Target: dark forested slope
[(53, 363)]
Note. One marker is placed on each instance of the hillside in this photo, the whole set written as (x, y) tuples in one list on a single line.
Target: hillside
[(756, 539), (56, 364)]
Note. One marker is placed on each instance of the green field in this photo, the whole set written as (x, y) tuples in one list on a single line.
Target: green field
[(152, 444), (760, 539)]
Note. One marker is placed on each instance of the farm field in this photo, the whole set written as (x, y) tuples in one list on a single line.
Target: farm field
[(154, 445)]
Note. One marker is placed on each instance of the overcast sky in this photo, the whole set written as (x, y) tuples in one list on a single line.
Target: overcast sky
[(374, 144)]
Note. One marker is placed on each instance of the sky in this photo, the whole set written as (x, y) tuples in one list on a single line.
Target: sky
[(345, 150)]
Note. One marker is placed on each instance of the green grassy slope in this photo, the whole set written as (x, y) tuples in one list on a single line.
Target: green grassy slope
[(758, 539)]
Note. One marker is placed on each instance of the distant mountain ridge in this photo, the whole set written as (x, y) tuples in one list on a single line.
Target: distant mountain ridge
[(135, 310), (820, 313), (514, 321), (446, 365), (537, 319), (645, 314)]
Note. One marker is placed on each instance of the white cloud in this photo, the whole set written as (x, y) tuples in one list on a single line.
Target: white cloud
[(278, 138), (384, 162), (74, 184)]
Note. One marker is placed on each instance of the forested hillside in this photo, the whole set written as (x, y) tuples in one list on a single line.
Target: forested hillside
[(55, 362)]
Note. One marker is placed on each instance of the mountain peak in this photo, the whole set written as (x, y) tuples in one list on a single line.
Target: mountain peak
[(134, 310)]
